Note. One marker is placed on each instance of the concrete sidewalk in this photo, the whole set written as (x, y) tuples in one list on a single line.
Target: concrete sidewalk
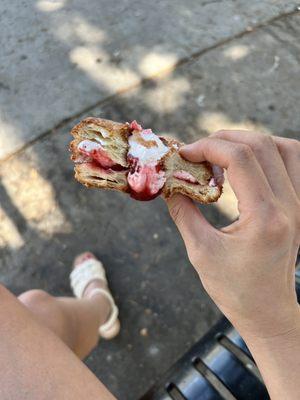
[(77, 59), (59, 57)]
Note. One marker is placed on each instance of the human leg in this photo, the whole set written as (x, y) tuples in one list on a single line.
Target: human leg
[(36, 362), (75, 321)]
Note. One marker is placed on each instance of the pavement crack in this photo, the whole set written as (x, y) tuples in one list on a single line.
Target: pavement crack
[(208, 2), (185, 60)]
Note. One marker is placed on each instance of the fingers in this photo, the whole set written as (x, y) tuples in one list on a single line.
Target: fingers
[(218, 174), (193, 227), (268, 156), (289, 150), (244, 173)]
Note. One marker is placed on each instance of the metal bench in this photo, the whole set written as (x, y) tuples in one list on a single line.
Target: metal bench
[(218, 367)]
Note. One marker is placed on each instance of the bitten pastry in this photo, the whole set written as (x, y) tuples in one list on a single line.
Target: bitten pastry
[(128, 158)]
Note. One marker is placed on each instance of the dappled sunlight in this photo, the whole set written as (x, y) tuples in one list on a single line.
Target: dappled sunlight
[(9, 234), (154, 63), (211, 122), (227, 203), (104, 73), (214, 121), (168, 96), (79, 28), (8, 138), (50, 5), (236, 52), (34, 197), (97, 63)]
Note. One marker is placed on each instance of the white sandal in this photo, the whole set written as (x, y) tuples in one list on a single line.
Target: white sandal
[(81, 276)]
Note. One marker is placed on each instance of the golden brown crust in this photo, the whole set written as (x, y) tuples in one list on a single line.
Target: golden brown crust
[(203, 193), (111, 126), (100, 184), (208, 194)]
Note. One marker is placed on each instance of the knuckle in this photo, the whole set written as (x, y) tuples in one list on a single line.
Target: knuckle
[(197, 256), (294, 147), (242, 153), (290, 145), (264, 142), (278, 222), (219, 134), (193, 257)]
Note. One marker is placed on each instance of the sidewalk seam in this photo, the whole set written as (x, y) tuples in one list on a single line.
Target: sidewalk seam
[(185, 60)]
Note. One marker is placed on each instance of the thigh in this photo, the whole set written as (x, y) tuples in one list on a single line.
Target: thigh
[(36, 364)]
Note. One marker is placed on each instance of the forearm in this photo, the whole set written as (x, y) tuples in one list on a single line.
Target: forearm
[(278, 359), (247, 267)]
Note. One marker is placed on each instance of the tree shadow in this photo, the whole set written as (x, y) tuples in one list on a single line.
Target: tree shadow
[(147, 265)]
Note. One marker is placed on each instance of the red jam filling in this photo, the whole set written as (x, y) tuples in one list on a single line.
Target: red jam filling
[(134, 126), (185, 176), (145, 181), (98, 158), (145, 178), (98, 155)]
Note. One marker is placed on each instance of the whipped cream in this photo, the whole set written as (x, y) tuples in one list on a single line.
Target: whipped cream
[(138, 147), (145, 178), (88, 146)]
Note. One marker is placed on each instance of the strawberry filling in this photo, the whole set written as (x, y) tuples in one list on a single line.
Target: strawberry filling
[(95, 155), (145, 181), (134, 126), (146, 177), (185, 176), (96, 152)]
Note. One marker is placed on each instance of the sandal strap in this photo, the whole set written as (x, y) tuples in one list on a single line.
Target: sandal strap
[(84, 273), (114, 313)]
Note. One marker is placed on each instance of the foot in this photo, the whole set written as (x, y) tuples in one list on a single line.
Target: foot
[(97, 284)]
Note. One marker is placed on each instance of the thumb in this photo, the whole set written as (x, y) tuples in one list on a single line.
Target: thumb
[(195, 230)]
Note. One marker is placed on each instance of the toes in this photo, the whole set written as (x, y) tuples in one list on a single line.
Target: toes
[(83, 257)]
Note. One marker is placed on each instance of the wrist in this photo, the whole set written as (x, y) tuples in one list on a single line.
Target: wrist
[(276, 343), (279, 326), (277, 359)]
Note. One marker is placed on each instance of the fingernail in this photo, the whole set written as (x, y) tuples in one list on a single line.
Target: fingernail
[(218, 174), (186, 148)]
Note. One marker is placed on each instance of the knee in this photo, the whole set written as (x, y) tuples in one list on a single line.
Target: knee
[(3, 290), (35, 298), (4, 293)]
